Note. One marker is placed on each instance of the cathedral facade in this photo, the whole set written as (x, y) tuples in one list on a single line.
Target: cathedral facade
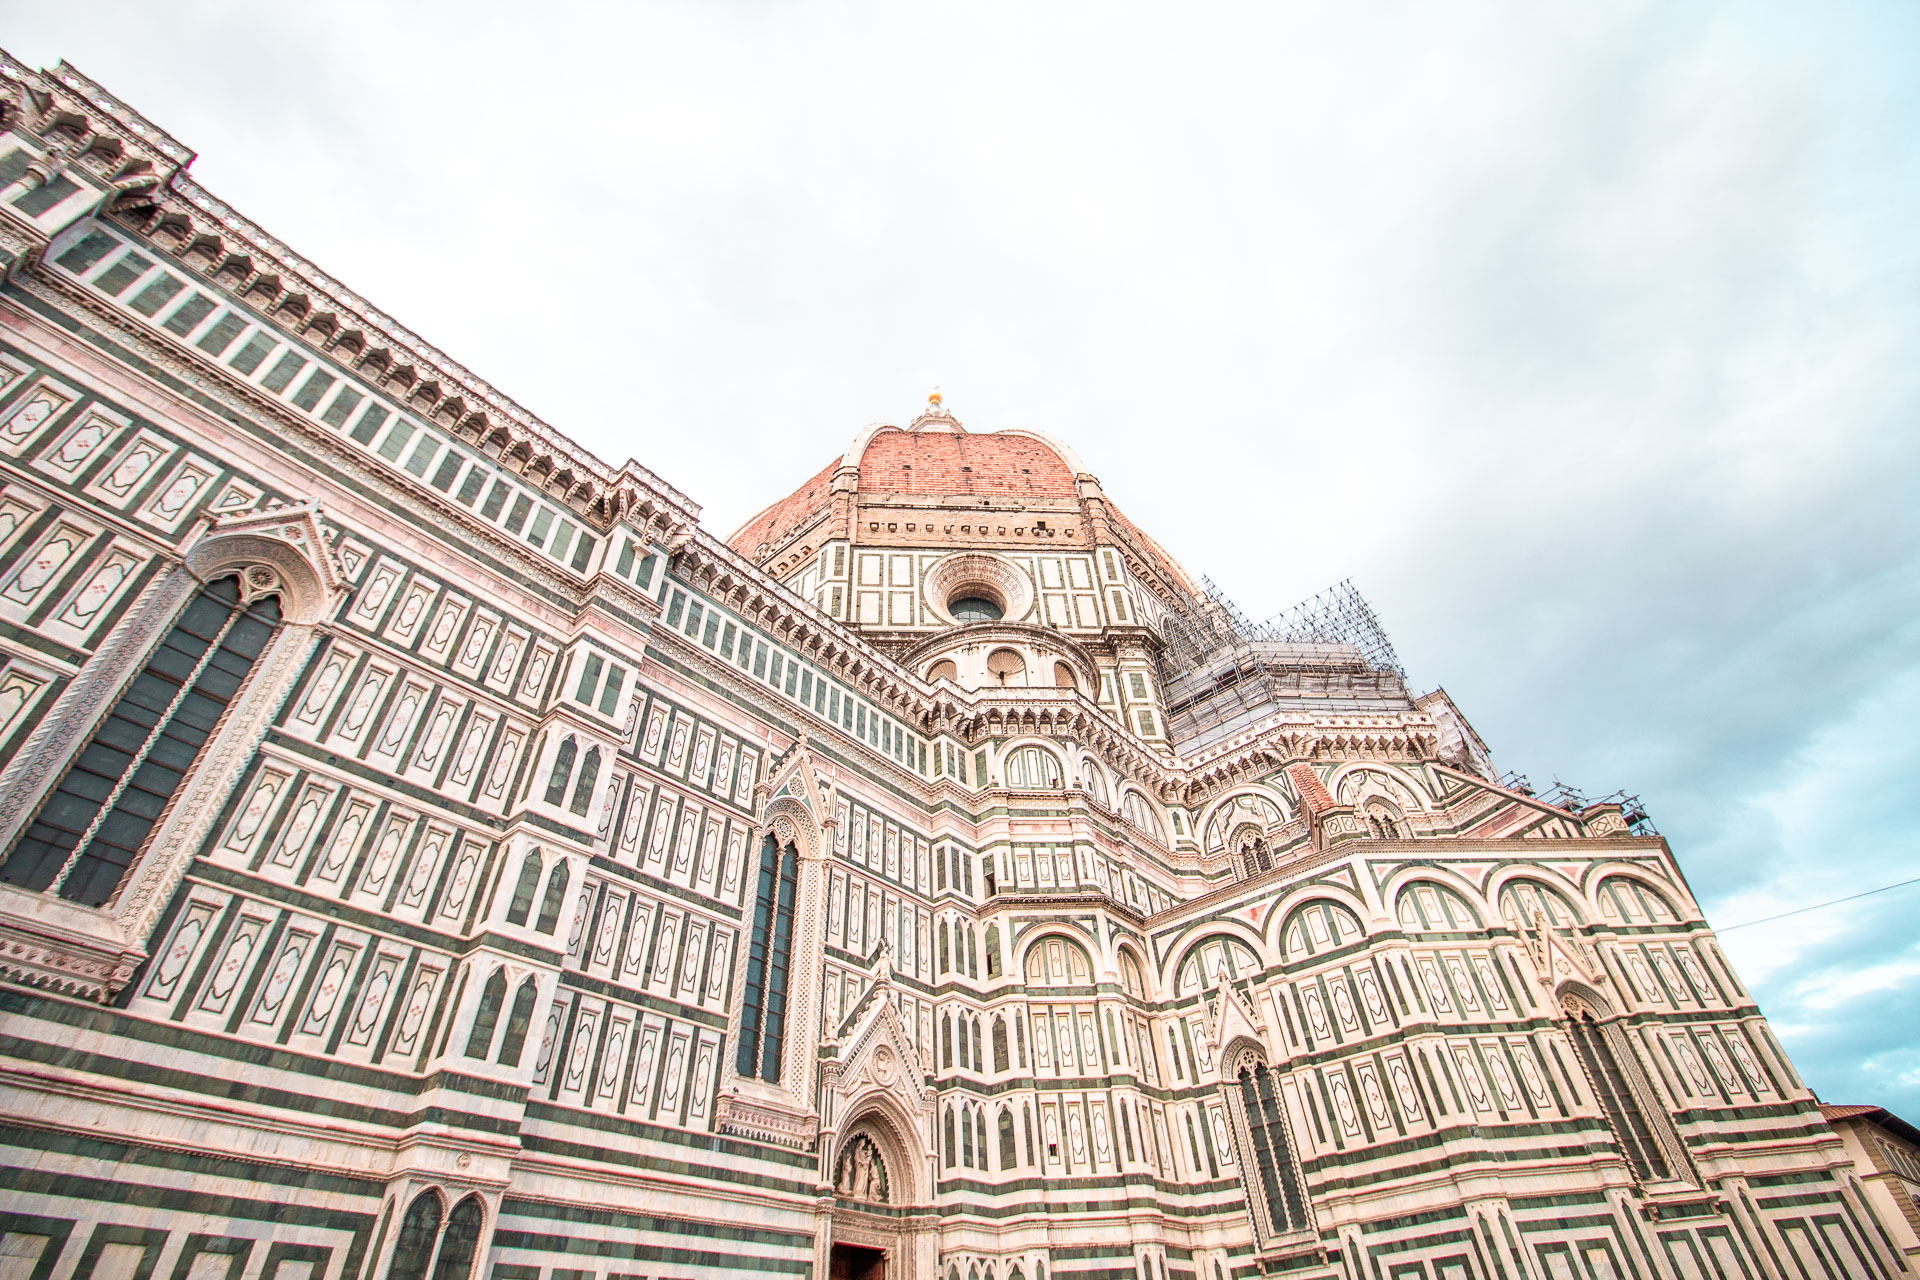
[(428, 853)]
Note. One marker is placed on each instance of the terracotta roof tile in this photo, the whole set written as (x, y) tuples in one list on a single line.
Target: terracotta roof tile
[(789, 513), (941, 462)]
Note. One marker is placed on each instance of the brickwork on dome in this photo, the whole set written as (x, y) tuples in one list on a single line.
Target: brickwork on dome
[(427, 852)]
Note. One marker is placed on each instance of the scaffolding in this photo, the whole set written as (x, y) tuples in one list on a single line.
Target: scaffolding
[(1223, 672)]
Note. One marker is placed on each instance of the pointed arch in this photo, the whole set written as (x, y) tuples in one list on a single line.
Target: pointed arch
[(419, 1228), (486, 1015), (518, 1021), (460, 1245), (529, 884), (555, 901)]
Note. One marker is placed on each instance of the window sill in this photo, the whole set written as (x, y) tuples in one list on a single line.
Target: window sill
[(48, 942)]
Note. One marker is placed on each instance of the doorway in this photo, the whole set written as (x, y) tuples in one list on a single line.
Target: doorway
[(856, 1262)]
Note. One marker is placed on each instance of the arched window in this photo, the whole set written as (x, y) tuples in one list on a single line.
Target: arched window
[(1009, 1158), (413, 1249), (1000, 1043), (973, 955), (1131, 979), (993, 951), (946, 1040), (583, 789), (980, 1135), (979, 1060), (462, 1240), (946, 954), (1271, 1177), (529, 883), (1096, 784), (486, 1016), (764, 1013), (1254, 856), (1033, 769), (966, 1135), (1613, 1069), (87, 834), (562, 770), (953, 1150), (555, 900), (517, 1023), (1137, 813)]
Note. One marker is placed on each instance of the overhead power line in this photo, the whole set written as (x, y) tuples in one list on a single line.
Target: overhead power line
[(1818, 905)]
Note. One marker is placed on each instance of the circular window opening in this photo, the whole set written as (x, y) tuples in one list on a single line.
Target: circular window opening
[(974, 609), (1007, 667), (943, 670)]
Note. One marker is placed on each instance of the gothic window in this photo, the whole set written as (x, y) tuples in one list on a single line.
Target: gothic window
[(1009, 1158), (966, 1136), (1254, 856), (1130, 979), (583, 789), (556, 898), (418, 1230), (1096, 784), (946, 953), (763, 1014), (951, 1149), (517, 1023), (1267, 1166), (993, 951), (999, 1043), (461, 1241), (946, 1041), (1620, 1084), (973, 955), (487, 1015), (1033, 769), (980, 1135), (562, 770), (523, 891), (979, 1061), (1136, 812), (91, 828)]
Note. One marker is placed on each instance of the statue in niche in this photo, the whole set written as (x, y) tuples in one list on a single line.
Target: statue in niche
[(862, 1174)]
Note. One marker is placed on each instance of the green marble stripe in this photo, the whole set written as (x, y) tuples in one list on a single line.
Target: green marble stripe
[(79, 1146)]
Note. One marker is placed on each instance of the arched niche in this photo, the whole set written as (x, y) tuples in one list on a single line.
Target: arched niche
[(1055, 960), (1208, 962), (1318, 927), (1430, 906)]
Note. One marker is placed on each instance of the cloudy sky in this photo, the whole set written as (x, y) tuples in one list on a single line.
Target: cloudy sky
[(1582, 337)]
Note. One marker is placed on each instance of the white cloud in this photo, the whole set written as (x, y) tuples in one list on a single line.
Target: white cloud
[(1580, 335)]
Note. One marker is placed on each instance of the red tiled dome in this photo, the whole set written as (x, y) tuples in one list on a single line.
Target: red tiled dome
[(997, 465)]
